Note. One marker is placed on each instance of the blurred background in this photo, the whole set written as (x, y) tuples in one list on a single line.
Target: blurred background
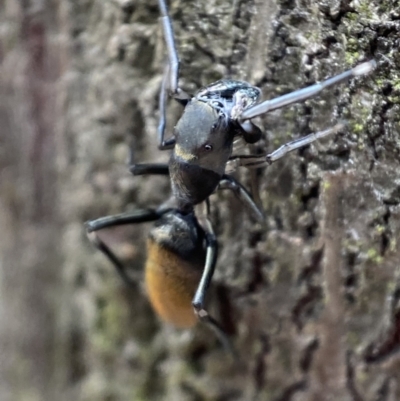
[(311, 301)]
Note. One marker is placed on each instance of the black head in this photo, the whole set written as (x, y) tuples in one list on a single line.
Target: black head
[(203, 137)]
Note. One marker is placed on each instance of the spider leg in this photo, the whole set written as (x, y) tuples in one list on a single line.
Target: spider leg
[(162, 109), (256, 161), (201, 292), (149, 169), (306, 93), (243, 195), (138, 216), (170, 79), (173, 70)]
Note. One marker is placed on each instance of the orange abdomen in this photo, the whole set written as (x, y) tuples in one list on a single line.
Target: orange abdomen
[(171, 283)]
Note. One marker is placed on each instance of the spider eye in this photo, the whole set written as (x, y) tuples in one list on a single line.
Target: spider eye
[(208, 147)]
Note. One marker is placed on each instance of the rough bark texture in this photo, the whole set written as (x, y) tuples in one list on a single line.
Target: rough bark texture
[(311, 301)]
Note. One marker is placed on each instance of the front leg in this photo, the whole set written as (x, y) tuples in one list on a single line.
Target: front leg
[(170, 83)]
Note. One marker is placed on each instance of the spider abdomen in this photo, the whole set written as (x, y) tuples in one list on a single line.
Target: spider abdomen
[(171, 283)]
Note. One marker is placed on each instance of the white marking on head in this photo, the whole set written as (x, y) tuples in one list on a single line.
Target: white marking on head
[(183, 154)]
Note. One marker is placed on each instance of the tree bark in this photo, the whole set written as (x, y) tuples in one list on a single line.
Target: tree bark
[(311, 300)]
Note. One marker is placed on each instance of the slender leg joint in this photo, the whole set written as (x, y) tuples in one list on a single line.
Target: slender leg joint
[(256, 161), (241, 193), (208, 320), (211, 240), (110, 255), (138, 216), (199, 311)]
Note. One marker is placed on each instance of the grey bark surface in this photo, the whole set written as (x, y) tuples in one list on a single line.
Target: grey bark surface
[(311, 300)]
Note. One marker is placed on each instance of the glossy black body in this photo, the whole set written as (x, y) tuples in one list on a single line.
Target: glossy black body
[(204, 138)]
